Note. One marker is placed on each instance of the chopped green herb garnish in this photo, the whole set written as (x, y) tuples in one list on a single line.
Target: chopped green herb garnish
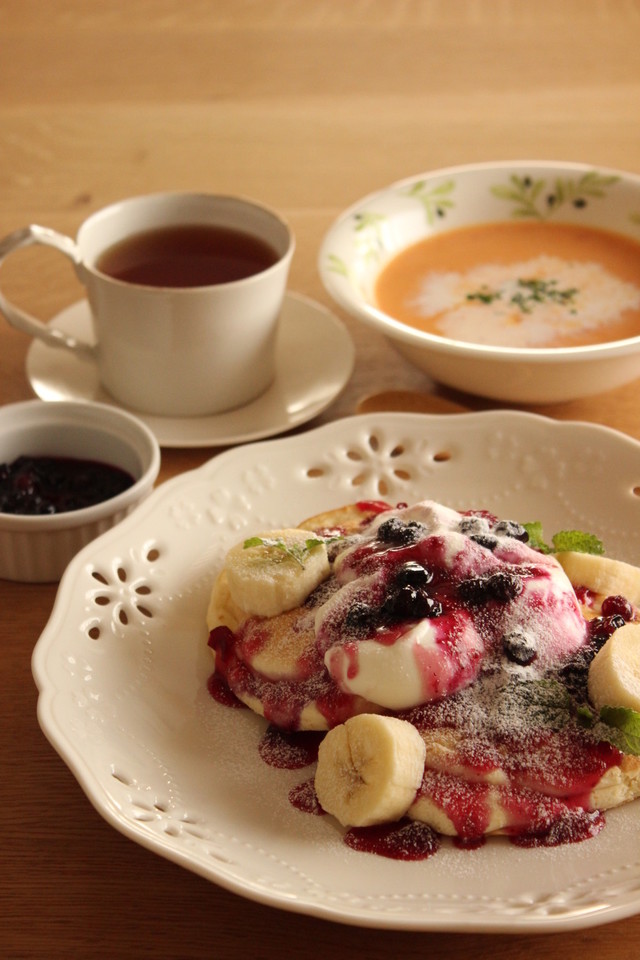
[(484, 295), (541, 291), (530, 292)]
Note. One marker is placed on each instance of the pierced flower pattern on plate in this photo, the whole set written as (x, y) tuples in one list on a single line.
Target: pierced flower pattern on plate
[(381, 464), (121, 594)]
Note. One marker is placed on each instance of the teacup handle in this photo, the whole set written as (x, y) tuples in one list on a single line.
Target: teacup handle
[(26, 237)]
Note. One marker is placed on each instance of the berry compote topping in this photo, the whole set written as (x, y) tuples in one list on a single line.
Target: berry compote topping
[(442, 591), (617, 606), (37, 485), (519, 648), (398, 533)]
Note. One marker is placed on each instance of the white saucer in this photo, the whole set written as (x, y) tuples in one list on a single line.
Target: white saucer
[(315, 357)]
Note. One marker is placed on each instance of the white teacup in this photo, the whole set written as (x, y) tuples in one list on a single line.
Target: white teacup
[(172, 350)]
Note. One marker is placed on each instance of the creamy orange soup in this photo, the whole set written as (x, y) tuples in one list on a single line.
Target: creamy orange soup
[(518, 285)]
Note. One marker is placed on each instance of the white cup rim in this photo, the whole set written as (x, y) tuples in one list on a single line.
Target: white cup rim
[(189, 200)]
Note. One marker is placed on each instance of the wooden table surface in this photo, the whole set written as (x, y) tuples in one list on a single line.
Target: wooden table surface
[(306, 106)]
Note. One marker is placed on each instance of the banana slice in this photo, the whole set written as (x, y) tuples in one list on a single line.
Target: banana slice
[(614, 674), (222, 611), (602, 574), (276, 574), (369, 769)]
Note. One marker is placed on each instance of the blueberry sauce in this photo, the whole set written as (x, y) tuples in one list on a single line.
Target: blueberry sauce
[(37, 485)]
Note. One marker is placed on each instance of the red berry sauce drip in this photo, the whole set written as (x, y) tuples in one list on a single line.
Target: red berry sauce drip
[(547, 775), (405, 840), (284, 700), (574, 827), (374, 507), (305, 799), (465, 804), (219, 690), (472, 843), (289, 751)]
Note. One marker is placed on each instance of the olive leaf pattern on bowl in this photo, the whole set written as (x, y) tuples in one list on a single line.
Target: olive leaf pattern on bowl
[(368, 226), (540, 199)]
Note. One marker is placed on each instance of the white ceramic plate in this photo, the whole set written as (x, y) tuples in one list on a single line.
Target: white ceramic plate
[(314, 360), (122, 669)]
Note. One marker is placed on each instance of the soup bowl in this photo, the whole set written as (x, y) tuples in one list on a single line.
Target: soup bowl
[(369, 235), (37, 547)]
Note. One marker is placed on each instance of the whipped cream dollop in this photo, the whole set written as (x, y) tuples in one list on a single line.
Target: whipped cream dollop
[(427, 595)]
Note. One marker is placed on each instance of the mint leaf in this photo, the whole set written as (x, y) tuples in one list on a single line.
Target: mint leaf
[(536, 539), (258, 542), (550, 703), (584, 716), (626, 723), (295, 551), (545, 702), (577, 541)]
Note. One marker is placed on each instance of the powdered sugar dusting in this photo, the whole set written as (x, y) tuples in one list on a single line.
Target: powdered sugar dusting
[(475, 584)]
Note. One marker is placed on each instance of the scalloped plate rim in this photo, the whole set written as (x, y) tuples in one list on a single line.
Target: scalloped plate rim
[(335, 907)]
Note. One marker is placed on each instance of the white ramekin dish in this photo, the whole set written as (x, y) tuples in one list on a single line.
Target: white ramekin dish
[(373, 231), (38, 548)]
